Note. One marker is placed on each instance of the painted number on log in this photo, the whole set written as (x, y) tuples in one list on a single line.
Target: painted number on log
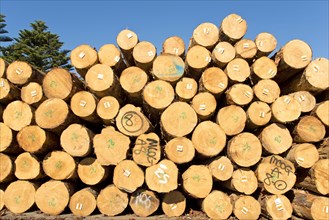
[(160, 173), (130, 120)]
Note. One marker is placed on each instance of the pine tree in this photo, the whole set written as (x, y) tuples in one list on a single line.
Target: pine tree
[(3, 38), (38, 47)]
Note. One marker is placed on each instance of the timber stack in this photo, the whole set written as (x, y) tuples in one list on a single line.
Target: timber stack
[(234, 127)]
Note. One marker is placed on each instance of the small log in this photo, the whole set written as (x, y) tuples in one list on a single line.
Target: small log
[(32, 94), (110, 55), (204, 104), (263, 68), (217, 205), (83, 202), (275, 138), (133, 80), (128, 176), (309, 129), (246, 49), (245, 207), (213, 80), (8, 92), (303, 155), (276, 174), (147, 150), (237, 70), (6, 168), (267, 91), (222, 54), (258, 114), (144, 202), (173, 204), (239, 94), (2, 193), (275, 206), (83, 57), (185, 89), (266, 44), (244, 149), (19, 196), (232, 28), (242, 181), (91, 172), (20, 73), (321, 112), (144, 54), (35, 140), (3, 67), (286, 109), (208, 138), (178, 120), (168, 67), (17, 115), (221, 168), (107, 109), (205, 35), (27, 167), (197, 181), (309, 206), (316, 179), (59, 165), (232, 119), (324, 149), (292, 58), (306, 100), (313, 79), (180, 150), (53, 196), (8, 143), (127, 40), (197, 60), (174, 45), (111, 147), (111, 201), (83, 104)]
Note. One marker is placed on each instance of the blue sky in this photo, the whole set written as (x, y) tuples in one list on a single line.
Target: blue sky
[(98, 22)]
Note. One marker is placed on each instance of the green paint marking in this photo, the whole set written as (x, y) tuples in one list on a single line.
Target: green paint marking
[(136, 79), (213, 141), (183, 115), (49, 113), (235, 118), (196, 178), (74, 137), (32, 137), (110, 143), (52, 202), (158, 89), (18, 114), (59, 164), (17, 199), (25, 163), (92, 170), (246, 147), (312, 128), (219, 208), (53, 84), (277, 139)]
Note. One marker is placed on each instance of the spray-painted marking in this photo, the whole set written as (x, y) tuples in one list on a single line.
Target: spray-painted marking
[(107, 104), (82, 55), (287, 100), (79, 206), (221, 167), (278, 204), (244, 179), (129, 35), (116, 58), (262, 114), (304, 58), (301, 98), (34, 93), (127, 173), (248, 94), (100, 76), (179, 148), (189, 86), (150, 53), (316, 68), (208, 59), (19, 71), (202, 107), (175, 50), (265, 91), (236, 67), (221, 85), (206, 30), (245, 45), (239, 19), (244, 210), (173, 206), (83, 103), (221, 50)]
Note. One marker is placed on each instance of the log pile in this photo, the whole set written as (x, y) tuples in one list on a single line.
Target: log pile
[(225, 127)]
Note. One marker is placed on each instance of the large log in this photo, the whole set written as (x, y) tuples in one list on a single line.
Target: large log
[(91, 172), (309, 129), (144, 54), (275, 206), (204, 104), (83, 104), (8, 92), (20, 73), (245, 207), (8, 142), (197, 60), (286, 109), (147, 149), (266, 43), (232, 28), (263, 68), (180, 150), (107, 109), (83, 202), (232, 119), (242, 181), (206, 35), (17, 115), (239, 94), (127, 40), (213, 80), (110, 55), (246, 49), (7, 168), (222, 54), (32, 94), (173, 204), (321, 112), (267, 91), (28, 167), (174, 45), (221, 168), (258, 114), (306, 100), (237, 70), (144, 202), (303, 155), (83, 57), (185, 89), (168, 67), (217, 205)]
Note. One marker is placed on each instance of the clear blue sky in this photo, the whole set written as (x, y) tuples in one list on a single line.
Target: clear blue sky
[(98, 22)]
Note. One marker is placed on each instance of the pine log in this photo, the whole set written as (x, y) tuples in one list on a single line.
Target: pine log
[(59, 165), (303, 155), (275, 138), (197, 60), (246, 49), (239, 94), (111, 147), (267, 91), (8, 92), (232, 28), (168, 67), (83, 202), (208, 138), (275, 206), (111, 201), (147, 149), (258, 114), (53, 196), (144, 54), (244, 149), (263, 68), (83, 57), (217, 205), (91, 172), (17, 115), (19, 196), (110, 55), (314, 78), (309, 206), (2, 107), (107, 109), (245, 207), (6, 168), (8, 142), (180, 150), (232, 119), (276, 174), (32, 94), (222, 54), (175, 46), (83, 104), (178, 120), (306, 100), (133, 80), (185, 89), (144, 202), (324, 149), (309, 129), (316, 178), (204, 104), (237, 70), (128, 176), (173, 204), (197, 181), (266, 44), (27, 167), (221, 168), (286, 109), (3, 67), (213, 80), (127, 40), (2, 193), (243, 181), (35, 140), (20, 73), (292, 58), (321, 112), (205, 35)]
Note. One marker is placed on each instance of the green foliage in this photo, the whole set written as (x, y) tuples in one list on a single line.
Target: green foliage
[(38, 47), (3, 38)]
